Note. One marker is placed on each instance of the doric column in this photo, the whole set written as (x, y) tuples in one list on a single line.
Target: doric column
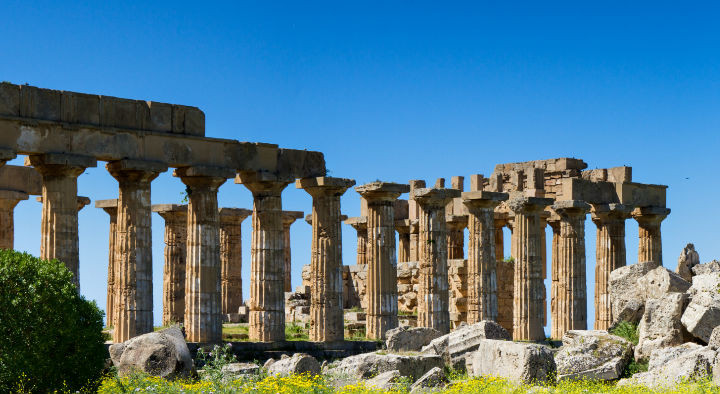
[(482, 261), (8, 201), (456, 225), (554, 222), (288, 218), (413, 215), (382, 296), (571, 305), (360, 225), (231, 297), (326, 304), (175, 217), (433, 297), (609, 256), (402, 226), (505, 275), (414, 240), (110, 207), (133, 298), (649, 220), (267, 265), (59, 238), (203, 308), (529, 290)]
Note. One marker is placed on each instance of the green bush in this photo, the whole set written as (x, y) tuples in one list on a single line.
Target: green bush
[(50, 336), (627, 330)]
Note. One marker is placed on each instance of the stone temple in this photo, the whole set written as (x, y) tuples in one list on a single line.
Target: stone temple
[(424, 276)]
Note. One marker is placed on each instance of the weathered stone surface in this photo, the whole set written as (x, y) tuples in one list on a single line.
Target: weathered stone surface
[(162, 353), (714, 341), (661, 281), (713, 266), (384, 381), (433, 378), (668, 366), (515, 361), (366, 365), (594, 355), (660, 325), (237, 369), (688, 259), (705, 283), (297, 364), (456, 346), (702, 315), (409, 339), (625, 296)]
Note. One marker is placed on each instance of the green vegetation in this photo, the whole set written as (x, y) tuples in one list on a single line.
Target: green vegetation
[(235, 332), (630, 332), (51, 336), (509, 259), (296, 332)]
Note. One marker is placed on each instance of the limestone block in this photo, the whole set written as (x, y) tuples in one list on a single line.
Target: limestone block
[(700, 269), (625, 296), (355, 316), (705, 283), (668, 366), (592, 355), (162, 353), (433, 378), (714, 342), (385, 381), (297, 364), (660, 325), (457, 345), (688, 259), (238, 370), (702, 315), (407, 339), (516, 361), (367, 365), (660, 281)]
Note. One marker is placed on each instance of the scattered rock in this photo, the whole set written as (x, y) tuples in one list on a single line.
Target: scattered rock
[(236, 369), (457, 345), (660, 325), (702, 315), (367, 365), (626, 299), (433, 378), (297, 364), (707, 268), (516, 361), (162, 353), (385, 381), (668, 366), (268, 363), (688, 259), (594, 355), (410, 339), (661, 281)]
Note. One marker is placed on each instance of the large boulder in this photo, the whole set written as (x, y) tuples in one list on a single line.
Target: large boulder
[(457, 345), (162, 353), (660, 325), (688, 259), (516, 361), (594, 355), (297, 364), (661, 281), (433, 378), (702, 315), (626, 298), (707, 268), (705, 283), (410, 339), (367, 365), (671, 365), (384, 381)]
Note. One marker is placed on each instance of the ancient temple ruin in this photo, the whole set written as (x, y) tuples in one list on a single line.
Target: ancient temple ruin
[(411, 262)]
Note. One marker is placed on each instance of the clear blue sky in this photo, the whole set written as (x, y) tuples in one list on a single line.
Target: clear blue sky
[(396, 91)]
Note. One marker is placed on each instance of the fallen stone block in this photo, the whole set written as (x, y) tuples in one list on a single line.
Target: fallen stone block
[(367, 365), (297, 364), (594, 355), (671, 365), (162, 353), (409, 339), (516, 361), (660, 325), (702, 315), (626, 298), (457, 345)]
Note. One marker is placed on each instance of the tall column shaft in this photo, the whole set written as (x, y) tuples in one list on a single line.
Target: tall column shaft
[(175, 254), (529, 290), (231, 297), (505, 278), (403, 230), (133, 248), (649, 220), (554, 272), (456, 236), (289, 217), (414, 241), (110, 207), (571, 291), (8, 201)]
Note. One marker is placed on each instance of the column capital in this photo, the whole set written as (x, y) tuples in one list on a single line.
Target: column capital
[(289, 217), (203, 177), (7, 154), (82, 201), (650, 215), (309, 218), (609, 212), (135, 170), (402, 226), (381, 191), (456, 222), (60, 164), (171, 212), (483, 199), (233, 215), (324, 186), (570, 209), (529, 204), (109, 206), (10, 198), (358, 223), (414, 226), (435, 198), (262, 182)]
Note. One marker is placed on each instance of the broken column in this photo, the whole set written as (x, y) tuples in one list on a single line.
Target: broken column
[(571, 302), (433, 297), (609, 256), (326, 289), (529, 289), (133, 299), (382, 296), (175, 238), (110, 207), (231, 297), (482, 260), (203, 309), (8, 201), (59, 229), (288, 218), (649, 220), (267, 265)]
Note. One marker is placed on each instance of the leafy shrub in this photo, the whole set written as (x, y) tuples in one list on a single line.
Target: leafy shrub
[(51, 336), (213, 361), (628, 331)]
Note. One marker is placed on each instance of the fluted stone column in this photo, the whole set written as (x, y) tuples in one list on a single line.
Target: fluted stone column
[(433, 297), (571, 304), (8, 201), (203, 306), (110, 207), (326, 285), (382, 296), (360, 225), (505, 276), (609, 256), (529, 289), (482, 261), (59, 238), (174, 273), (414, 240), (231, 297), (402, 227), (267, 265), (649, 220), (413, 215), (133, 298), (456, 225), (288, 218), (554, 222)]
